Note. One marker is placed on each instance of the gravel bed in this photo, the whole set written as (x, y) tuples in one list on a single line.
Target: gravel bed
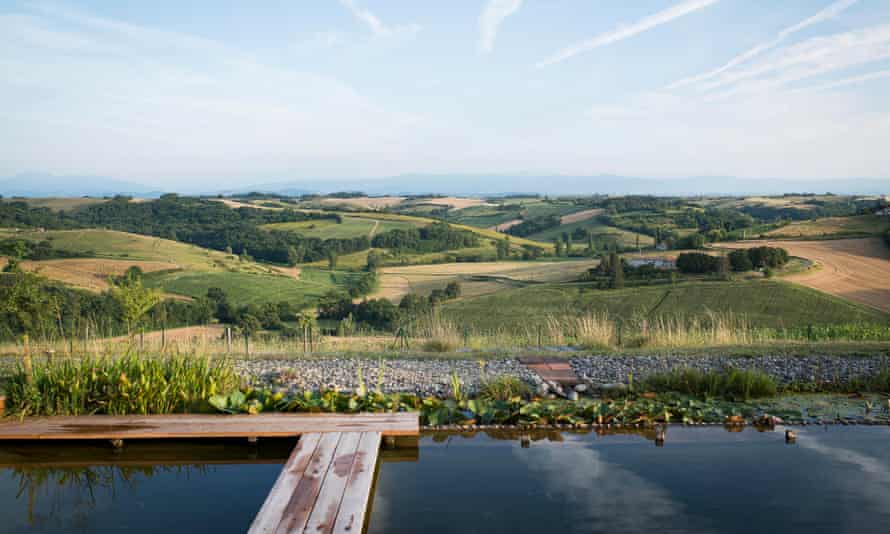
[(616, 369), (429, 377)]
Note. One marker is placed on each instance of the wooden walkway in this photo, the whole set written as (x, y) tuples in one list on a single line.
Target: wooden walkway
[(274, 425), (325, 485)]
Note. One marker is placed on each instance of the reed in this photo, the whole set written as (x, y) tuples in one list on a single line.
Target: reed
[(128, 384)]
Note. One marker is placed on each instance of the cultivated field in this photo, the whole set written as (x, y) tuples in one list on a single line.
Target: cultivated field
[(251, 288), (579, 216), (91, 274), (349, 228), (625, 238), (855, 269), (455, 203), (476, 278), (111, 244), (364, 203), (64, 203), (861, 225), (763, 303)]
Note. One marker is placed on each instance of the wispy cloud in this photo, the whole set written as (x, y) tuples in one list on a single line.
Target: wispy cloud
[(623, 32), (854, 80), (814, 57), (377, 27), (825, 14), (491, 18)]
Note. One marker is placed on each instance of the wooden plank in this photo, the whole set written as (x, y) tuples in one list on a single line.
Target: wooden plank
[(302, 499), (324, 513), (351, 517), (186, 426), (273, 508)]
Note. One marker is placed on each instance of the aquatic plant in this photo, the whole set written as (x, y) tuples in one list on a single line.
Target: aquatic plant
[(128, 384), (735, 384)]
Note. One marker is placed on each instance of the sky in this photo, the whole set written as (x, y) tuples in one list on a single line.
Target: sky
[(217, 92)]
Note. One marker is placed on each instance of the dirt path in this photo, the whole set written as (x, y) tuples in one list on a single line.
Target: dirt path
[(855, 269), (373, 229)]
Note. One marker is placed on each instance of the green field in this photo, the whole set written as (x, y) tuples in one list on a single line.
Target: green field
[(488, 216), (246, 288), (763, 303), (63, 203), (349, 228), (96, 243), (625, 238), (834, 227)]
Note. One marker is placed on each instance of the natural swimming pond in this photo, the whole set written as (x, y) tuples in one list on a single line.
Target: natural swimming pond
[(705, 479)]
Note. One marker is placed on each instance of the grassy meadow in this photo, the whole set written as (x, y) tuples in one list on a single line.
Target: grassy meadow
[(251, 288), (834, 227), (349, 228), (762, 303)]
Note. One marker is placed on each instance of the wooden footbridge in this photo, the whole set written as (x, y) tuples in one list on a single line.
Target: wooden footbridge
[(325, 485)]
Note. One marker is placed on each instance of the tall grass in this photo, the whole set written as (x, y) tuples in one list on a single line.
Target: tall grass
[(733, 384), (129, 384), (434, 332)]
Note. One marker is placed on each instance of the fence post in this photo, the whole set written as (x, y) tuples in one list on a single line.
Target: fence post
[(26, 361)]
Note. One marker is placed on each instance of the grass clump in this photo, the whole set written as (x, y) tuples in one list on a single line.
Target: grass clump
[(118, 386), (735, 384), (503, 388)]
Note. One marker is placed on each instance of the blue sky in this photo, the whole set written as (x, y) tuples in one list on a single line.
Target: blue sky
[(224, 93)]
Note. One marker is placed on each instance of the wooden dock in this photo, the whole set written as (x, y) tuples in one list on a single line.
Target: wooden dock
[(275, 425), (325, 485)]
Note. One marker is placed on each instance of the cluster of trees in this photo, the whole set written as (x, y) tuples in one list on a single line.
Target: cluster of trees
[(413, 304), (436, 237), (21, 249), (887, 237), (30, 304), (698, 263), (18, 214), (253, 317), (534, 225), (758, 258), (376, 313), (382, 314), (740, 260), (214, 225)]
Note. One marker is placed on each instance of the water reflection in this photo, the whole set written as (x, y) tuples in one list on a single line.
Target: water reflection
[(146, 487), (493, 481), (709, 479)]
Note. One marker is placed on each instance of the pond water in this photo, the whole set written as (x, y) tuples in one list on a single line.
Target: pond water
[(704, 479)]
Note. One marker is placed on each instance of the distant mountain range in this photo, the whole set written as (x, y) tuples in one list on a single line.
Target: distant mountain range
[(49, 185), (42, 185)]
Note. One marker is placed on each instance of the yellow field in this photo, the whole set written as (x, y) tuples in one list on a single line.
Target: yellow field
[(63, 203), (364, 203), (829, 226), (455, 203), (855, 269), (88, 273), (475, 278), (490, 234)]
